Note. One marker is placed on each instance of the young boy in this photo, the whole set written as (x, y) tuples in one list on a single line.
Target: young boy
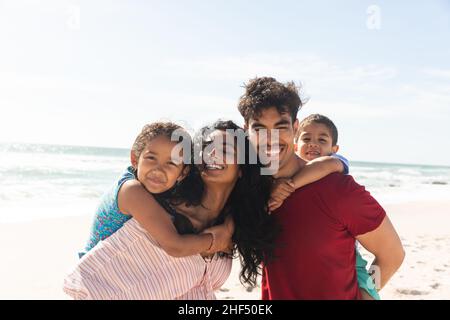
[(316, 141)]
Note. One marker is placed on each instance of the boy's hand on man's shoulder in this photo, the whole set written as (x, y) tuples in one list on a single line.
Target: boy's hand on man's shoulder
[(281, 190)]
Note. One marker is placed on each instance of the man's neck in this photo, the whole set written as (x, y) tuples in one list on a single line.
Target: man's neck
[(291, 167)]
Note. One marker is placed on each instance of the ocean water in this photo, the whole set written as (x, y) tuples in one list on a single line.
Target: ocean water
[(47, 181)]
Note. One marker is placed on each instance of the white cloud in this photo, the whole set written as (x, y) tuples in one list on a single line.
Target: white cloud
[(438, 73), (283, 66), (321, 80)]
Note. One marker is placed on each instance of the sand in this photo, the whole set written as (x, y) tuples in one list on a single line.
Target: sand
[(36, 256)]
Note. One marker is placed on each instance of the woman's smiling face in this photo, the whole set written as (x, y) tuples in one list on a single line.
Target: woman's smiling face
[(220, 158)]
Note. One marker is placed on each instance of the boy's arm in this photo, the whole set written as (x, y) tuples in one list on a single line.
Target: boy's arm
[(136, 201), (312, 171), (385, 244), (319, 168)]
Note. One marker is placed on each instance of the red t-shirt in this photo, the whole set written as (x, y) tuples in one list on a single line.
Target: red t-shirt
[(315, 256)]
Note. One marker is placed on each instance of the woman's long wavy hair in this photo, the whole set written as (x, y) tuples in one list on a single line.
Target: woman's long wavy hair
[(255, 229)]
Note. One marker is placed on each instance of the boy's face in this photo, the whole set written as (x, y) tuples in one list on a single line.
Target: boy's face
[(315, 141), (156, 169), (270, 119)]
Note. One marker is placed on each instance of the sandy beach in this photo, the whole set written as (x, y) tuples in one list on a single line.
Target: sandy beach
[(36, 255)]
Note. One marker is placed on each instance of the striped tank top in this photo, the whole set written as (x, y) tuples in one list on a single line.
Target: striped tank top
[(130, 265)]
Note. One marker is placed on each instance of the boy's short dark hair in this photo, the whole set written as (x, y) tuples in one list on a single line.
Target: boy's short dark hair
[(151, 131), (265, 92), (318, 118)]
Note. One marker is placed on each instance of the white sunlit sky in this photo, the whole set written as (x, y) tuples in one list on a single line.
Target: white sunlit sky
[(94, 72)]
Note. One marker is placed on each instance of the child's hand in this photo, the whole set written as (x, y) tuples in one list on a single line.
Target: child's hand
[(222, 235), (281, 190), (274, 205)]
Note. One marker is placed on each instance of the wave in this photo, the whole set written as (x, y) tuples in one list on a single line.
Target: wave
[(62, 149)]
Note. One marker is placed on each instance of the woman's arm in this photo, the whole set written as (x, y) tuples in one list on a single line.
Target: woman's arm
[(136, 201)]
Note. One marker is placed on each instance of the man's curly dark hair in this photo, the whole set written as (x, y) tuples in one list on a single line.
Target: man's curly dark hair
[(266, 92)]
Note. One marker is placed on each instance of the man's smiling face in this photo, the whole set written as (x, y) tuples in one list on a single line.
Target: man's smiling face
[(260, 130)]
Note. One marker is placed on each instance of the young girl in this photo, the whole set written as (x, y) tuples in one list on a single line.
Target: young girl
[(153, 176)]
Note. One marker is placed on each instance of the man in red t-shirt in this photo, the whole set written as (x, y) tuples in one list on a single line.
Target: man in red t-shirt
[(315, 256)]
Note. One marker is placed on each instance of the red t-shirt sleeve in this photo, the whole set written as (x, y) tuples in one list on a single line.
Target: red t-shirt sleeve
[(358, 211)]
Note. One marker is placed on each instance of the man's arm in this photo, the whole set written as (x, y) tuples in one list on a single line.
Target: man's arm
[(385, 244), (367, 221)]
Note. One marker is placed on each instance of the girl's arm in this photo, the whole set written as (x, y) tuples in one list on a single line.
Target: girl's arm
[(135, 200)]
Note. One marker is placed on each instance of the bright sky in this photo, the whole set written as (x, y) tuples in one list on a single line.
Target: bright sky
[(94, 72)]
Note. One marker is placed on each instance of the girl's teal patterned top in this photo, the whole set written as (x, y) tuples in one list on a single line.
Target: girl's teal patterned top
[(365, 281), (108, 218)]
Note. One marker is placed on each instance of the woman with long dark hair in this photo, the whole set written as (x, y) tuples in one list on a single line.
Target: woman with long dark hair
[(220, 186)]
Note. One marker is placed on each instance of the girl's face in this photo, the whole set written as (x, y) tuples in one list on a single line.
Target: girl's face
[(156, 169), (220, 159)]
